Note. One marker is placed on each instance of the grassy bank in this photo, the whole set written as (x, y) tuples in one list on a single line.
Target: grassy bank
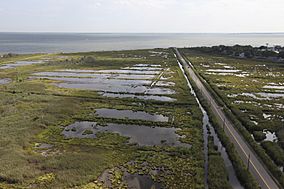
[(217, 176)]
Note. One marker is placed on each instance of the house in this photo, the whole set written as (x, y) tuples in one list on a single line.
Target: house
[(242, 55)]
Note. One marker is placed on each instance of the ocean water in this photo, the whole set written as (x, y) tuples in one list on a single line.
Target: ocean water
[(78, 42)]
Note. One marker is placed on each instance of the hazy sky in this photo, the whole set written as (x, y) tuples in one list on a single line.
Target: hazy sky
[(142, 15)]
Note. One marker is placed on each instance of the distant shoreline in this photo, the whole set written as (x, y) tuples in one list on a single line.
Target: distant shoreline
[(30, 43), (144, 33)]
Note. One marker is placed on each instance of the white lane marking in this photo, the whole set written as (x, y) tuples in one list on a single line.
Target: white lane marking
[(228, 128), (232, 134)]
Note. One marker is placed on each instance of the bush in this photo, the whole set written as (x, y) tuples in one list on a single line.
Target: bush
[(280, 135), (89, 59), (274, 151), (259, 136)]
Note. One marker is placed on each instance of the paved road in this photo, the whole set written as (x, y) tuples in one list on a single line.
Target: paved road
[(256, 168)]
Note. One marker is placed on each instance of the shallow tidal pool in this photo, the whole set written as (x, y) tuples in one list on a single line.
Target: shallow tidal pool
[(142, 135)]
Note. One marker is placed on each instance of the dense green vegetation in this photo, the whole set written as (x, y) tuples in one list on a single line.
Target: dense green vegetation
[(258, 136), (217, 177), (246, 51), (239, 92), (274, 151)]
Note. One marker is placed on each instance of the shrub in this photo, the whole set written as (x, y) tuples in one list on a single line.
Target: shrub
[(259, 136), (89, 59), (274, 151), (217, 175)]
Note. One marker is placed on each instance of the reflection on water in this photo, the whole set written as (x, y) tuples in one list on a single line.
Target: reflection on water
[(117, 89), (233, 180), (43, 146), (271, 95), (223, 70), (273, 87), (270, 136), (205, 121), (20, 63), (144, 72), (95, 75), (164, 84), (129, 114), (142, 135), (111, 85), (99, 81), (132, 181), (79, 42), (143, 68), (136, 181), (259, 96), (5, 81), (147, 65), (142, 97), (115, 81)]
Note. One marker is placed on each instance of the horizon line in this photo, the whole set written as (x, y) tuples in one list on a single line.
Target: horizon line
[(71, 32)]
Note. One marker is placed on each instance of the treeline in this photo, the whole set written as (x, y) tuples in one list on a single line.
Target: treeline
[(245, 51), (274, 151), (9, 55)]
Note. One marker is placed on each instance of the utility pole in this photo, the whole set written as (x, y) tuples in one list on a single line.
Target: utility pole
[(248, 162)]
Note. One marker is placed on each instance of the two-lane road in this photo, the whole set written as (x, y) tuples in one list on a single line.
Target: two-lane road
[(256, 167)]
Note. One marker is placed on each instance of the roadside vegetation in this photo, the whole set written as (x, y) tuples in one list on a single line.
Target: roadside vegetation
[(217, 177), (244, 176), (275, 53), (250, 93)]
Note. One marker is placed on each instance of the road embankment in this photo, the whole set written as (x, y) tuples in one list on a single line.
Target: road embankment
[(261, 174)]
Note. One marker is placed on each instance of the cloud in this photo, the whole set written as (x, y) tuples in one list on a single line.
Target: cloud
[(160, 4), (143, 15)]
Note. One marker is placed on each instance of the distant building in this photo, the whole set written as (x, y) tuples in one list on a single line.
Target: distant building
[(242, 55)]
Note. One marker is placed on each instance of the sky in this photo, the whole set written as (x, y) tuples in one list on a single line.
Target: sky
[(142, 16)]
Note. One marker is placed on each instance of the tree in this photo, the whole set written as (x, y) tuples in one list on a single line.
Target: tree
[(89, 59), (281, 54), (269, 54)]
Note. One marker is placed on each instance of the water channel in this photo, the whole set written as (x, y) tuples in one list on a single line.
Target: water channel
[(233, 180)]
